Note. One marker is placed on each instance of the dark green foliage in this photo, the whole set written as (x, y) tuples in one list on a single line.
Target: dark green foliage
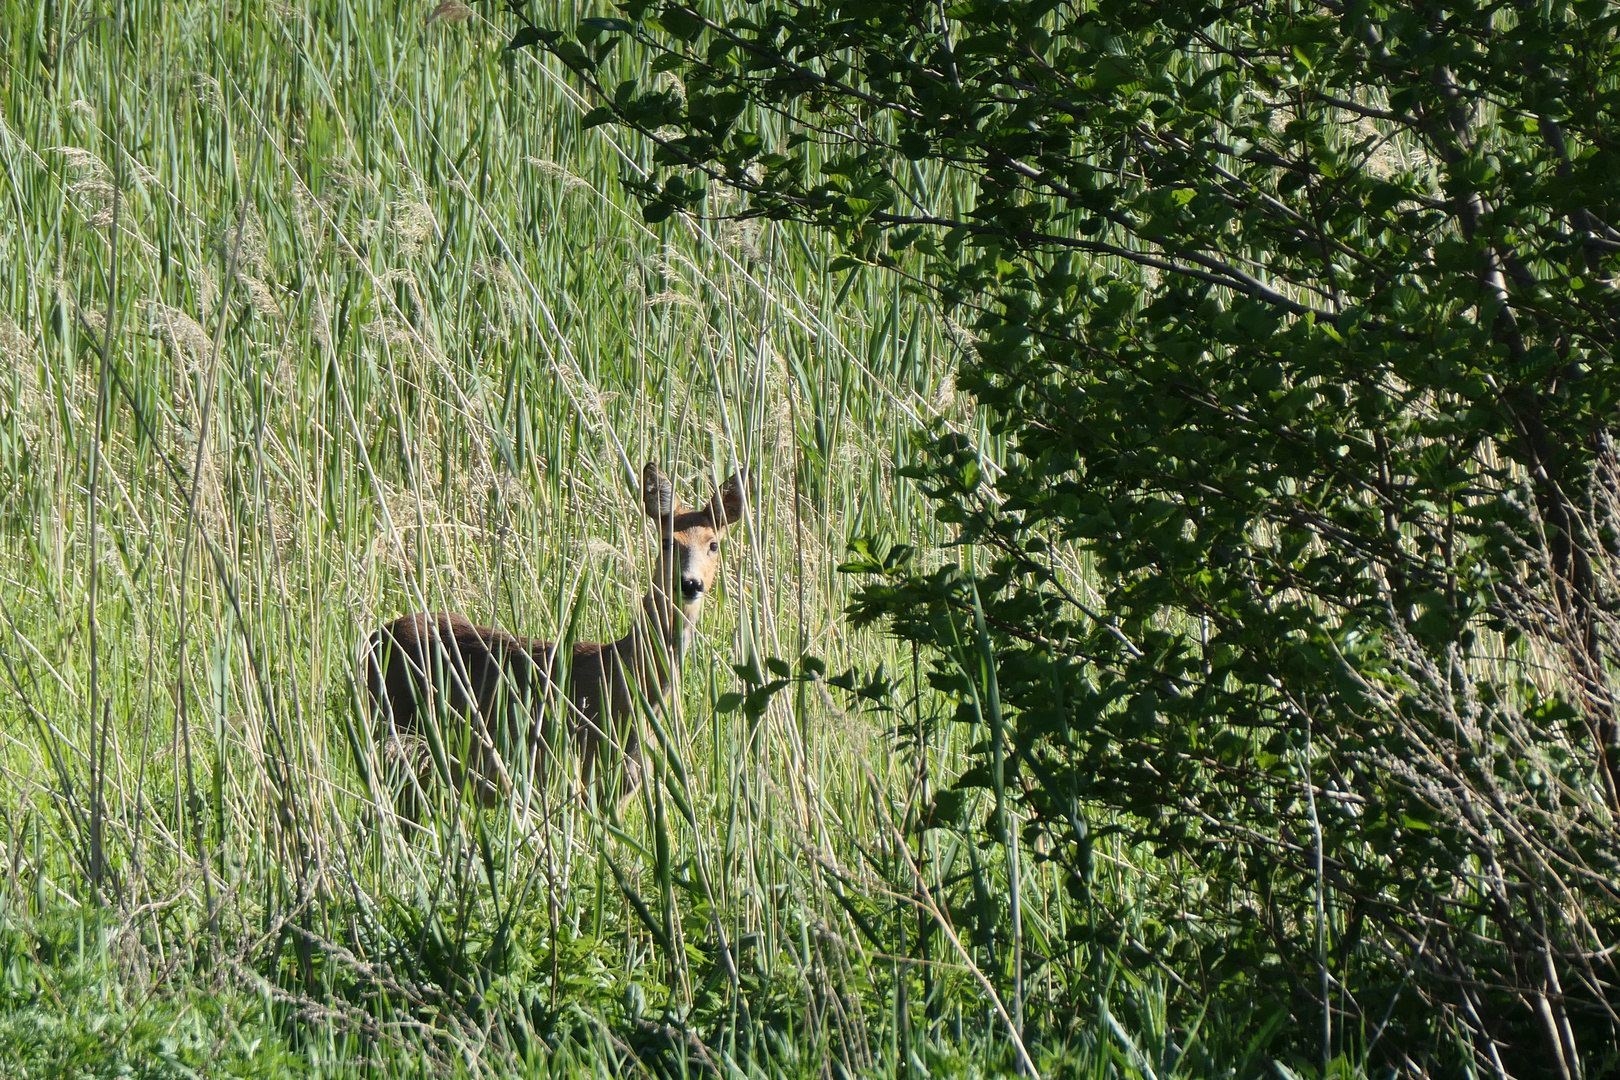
[(1300, 324)]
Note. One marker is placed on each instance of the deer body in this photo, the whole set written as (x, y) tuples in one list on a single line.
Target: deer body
[(473, 698)]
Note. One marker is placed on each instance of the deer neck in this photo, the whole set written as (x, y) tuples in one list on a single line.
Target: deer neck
[(658, 639)]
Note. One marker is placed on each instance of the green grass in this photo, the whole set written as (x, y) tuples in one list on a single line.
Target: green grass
[(315, 316)]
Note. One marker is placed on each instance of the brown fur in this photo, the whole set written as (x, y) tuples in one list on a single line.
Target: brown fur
[(492, 688)]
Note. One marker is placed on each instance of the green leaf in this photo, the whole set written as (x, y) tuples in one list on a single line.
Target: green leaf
[(528, 36), (949, 807), (680, 22), (572, 54)]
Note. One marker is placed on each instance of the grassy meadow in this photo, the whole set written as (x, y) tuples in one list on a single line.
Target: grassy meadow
[(317, 315)]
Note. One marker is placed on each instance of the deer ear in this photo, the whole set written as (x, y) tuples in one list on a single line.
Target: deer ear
[(726, 509), (657, 493)]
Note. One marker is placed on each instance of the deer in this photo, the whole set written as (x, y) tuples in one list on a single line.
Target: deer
[(467, 703)]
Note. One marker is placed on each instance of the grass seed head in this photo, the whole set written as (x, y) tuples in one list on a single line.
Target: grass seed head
[(76, 157), (449, 12), (178, 330)]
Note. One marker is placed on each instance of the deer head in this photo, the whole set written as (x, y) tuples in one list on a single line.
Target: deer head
[(689, 548)]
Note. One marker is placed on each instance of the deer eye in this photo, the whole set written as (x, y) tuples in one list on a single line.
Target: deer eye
[(714, 546)]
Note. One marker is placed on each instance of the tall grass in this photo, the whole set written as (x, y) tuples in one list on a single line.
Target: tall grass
[(313, 316)]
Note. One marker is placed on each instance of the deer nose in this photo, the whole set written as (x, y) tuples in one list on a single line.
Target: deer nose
[(691, 587)]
